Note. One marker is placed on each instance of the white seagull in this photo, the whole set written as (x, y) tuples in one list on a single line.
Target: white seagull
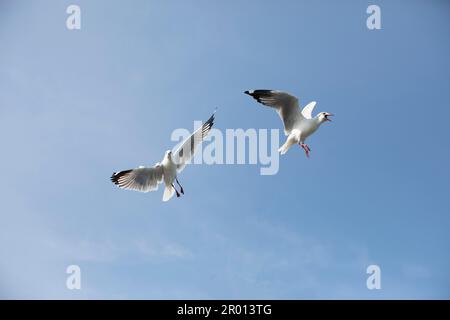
[(297, 125), (145, 179)]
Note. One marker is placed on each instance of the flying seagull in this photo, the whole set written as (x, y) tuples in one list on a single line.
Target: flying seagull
[(145, 179), (298, 125)]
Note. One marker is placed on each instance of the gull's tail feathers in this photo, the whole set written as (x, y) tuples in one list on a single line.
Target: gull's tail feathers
[(169, 191), (286, 146)]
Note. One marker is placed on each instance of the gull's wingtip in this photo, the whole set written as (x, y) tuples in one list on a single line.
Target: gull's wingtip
[(114, 177), (213, 116), (117, 175)]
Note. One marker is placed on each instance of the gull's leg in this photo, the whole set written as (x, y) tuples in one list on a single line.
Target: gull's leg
[(178, 194), (181, 188), (306, 148)]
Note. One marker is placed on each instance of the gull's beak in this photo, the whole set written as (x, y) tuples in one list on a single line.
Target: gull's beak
[(328, 115)]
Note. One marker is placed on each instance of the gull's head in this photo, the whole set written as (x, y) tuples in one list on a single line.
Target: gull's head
[(168, 153), (323, 116)]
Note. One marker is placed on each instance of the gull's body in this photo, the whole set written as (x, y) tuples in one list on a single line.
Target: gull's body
[(169, 170), (298, 125), (146, 179)]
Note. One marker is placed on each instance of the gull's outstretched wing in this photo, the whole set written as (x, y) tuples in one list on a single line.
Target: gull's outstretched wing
[(285, 104), (186, 150), (308, 109), (140, 179)]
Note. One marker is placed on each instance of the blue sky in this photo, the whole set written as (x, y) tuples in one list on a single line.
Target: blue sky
[(77, 105)]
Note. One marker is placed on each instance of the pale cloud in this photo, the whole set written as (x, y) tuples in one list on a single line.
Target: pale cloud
[(156, 249), (416, 271)]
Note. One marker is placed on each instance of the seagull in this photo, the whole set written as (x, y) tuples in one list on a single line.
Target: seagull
[(146, 179), (297, 125)]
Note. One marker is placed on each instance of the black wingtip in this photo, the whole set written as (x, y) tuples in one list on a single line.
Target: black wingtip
[(114, 178), (211, 119), (208, 124), (116, 175)]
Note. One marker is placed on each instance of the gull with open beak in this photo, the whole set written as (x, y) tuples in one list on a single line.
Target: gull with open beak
[(298, 125)]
